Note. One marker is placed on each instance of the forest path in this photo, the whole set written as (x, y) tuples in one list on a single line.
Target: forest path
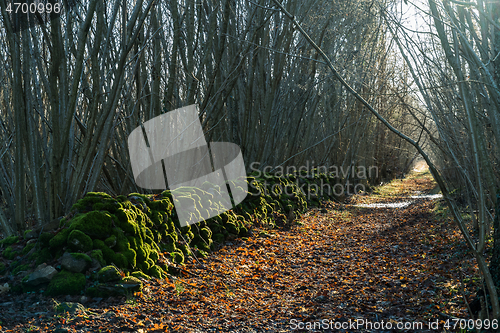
[(342, 266)]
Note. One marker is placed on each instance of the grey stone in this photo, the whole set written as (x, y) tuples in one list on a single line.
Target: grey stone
[(61, 330), (119, 289), (73, 264), (42, 274), (33, 234), (95, 266), (108, 273), (69, 307)]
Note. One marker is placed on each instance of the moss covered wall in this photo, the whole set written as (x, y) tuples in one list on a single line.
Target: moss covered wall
[(141, 234)]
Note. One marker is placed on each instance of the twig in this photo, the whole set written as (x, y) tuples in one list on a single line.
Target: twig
[(462, 289)]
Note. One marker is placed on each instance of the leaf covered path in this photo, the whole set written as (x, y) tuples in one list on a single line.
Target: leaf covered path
[(340, 264)]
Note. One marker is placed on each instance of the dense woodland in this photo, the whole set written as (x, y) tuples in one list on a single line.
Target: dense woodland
[(72, 89)]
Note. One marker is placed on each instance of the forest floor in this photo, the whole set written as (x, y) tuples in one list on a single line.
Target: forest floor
[(339, 268)]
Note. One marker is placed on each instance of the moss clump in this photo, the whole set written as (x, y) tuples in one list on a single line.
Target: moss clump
[(133, 280), (110, 241), (78, 241), (96, 201), (131, 257), (178, 257), (185, 249), (96, 224), (120, 260), (157, 272), (9, 253), (59, 240), (97, 255), (108, 273), (110, 256), (140, 274), (66, 283), (45, 238), (143, 253), (23, 287), (20, 268), (41, 256), (9, 240), (28, 248), (232, 227), (219, 238), (122, 243), (2, 268), (68, 307), (81, 256), (26, 232)]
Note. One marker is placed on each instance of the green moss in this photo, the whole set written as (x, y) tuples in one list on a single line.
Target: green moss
[(120, 260), (109, 255), (185, 249), (112, 257), (154, 255), (28, 248), (171, 247), (81, 256), (9, 240), (20, 268), (243, 231), (66, 283), (143, 252), (139, 274), (95, 201), (59, 240), (232, 227), (2, 268), (127, 221), (171, 238), (157, 237), (156, 217), (68, 307), (129, 232), (98, 244), (219, 238), (26, 232), (131, 256), (139, 197), (110, 205), (108, 273), (45, 238), (41, 256), (202, 244), (157, 272), (97, 255), (121, 198), (135, 280), (178, 257), (110, 241), (96, 224), (9, 253), (63, 222), (122, 243), (78, 241), (135, 242), (94, 291), (23, 287)]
